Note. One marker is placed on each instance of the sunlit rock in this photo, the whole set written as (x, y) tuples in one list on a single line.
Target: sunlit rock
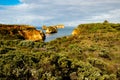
[(51, 29), (26, 32)]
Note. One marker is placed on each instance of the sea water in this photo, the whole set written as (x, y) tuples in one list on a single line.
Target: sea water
[(61, 32)]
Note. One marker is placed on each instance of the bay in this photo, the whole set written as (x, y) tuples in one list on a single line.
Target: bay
[(61, 32)]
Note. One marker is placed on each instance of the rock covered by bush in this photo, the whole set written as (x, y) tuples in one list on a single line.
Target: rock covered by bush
[(96, 28)]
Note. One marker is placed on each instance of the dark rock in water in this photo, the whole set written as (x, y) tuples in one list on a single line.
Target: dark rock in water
[(25, 32), (51, 29)]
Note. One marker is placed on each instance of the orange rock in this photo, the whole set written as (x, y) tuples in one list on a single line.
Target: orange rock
[(75, 32), (34, 35), (21, 31)]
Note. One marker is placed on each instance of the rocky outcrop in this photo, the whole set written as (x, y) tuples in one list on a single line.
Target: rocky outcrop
[(25, 32), (60, 26), (51, 30), (44, 27), (33, 35), (75, 32)]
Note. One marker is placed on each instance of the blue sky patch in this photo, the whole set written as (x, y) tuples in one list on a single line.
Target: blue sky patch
[(9, 2)]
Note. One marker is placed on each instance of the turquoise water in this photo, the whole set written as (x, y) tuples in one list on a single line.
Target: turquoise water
[(61, 32)]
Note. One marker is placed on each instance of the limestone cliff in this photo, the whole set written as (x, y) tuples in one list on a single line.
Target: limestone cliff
[(25, 32), (33, 35)]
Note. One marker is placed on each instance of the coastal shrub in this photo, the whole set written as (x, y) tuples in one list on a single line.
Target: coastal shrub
[(85, 70), (105, 55), (116, 26), (105, 22), (118, 73), (17, 65), (12, 43), (26, 43), (1, 43), (5, 50), (98, 63), (113, 77), (92, 48)]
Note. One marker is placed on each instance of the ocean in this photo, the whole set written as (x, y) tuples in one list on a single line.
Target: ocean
[(61, 32)]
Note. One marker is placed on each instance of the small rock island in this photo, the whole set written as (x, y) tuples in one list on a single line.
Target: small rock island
[(52, 29)]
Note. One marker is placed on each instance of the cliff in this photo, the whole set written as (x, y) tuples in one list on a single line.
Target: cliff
[(25, 32)]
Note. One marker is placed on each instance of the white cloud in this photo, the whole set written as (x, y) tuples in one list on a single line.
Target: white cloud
[(113, 15), (70, 2), (69, 12)]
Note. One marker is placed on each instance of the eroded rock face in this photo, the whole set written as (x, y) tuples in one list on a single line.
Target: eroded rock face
[(21, 32), (33, 35), (75, 32), (51, 30)]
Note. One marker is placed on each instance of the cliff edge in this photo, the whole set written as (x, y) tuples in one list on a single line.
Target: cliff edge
[(24, 32)]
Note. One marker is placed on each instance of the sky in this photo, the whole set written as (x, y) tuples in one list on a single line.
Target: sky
[(9, 2), (52, 12)]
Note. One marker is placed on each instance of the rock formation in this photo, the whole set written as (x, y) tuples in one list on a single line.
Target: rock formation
[(44, 27), (21, 32), (75, 32), (60, 26), (33, 35), (51, 29)]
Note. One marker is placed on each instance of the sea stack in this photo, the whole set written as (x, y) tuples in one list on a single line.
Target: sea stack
[(51, 29)]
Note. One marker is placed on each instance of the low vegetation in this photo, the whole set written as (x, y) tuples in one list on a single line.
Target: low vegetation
[(92, 54)]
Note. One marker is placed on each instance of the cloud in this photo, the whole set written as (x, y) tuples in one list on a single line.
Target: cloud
[(112, 15), (21, 14), (68, 12)]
